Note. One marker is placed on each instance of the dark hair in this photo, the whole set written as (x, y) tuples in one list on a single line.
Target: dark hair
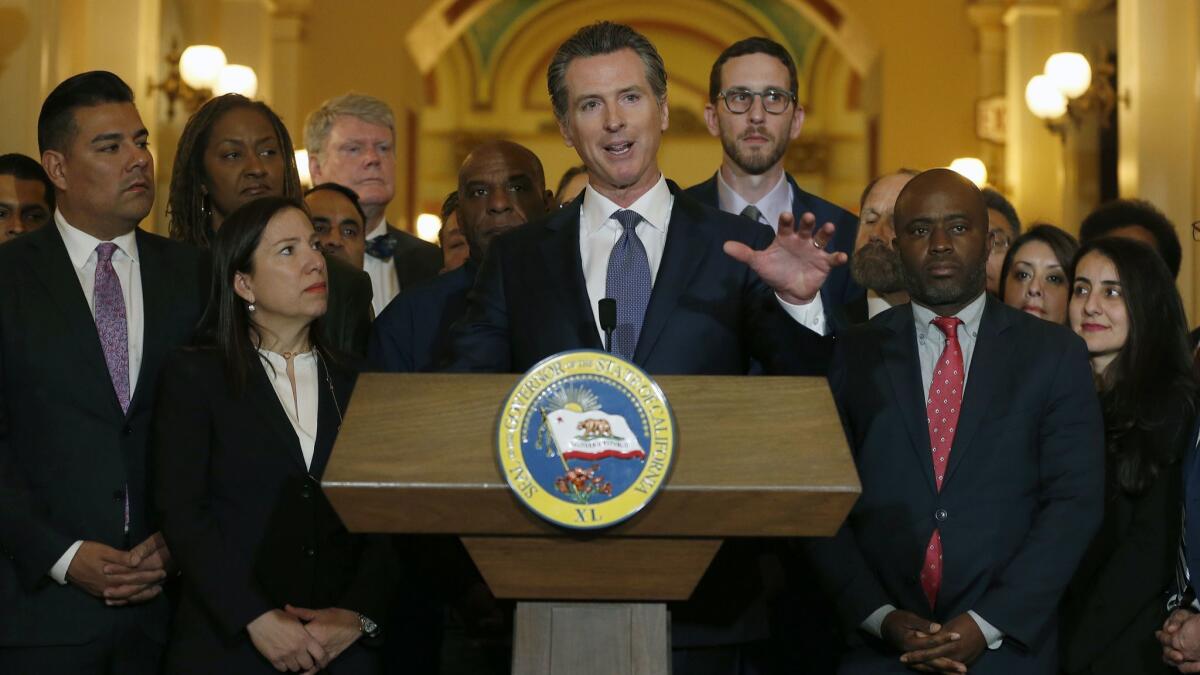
[(23, 167), (1149, 391), (186, 208), (567, 177), (342, 190), (449, 205), (999, 202), (56, 121), (874, 181), (226, 322), (1061, 243), (1125, 212), (751, 45), (600, 38)]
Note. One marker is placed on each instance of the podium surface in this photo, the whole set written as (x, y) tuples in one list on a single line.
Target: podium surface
[(755, 457)]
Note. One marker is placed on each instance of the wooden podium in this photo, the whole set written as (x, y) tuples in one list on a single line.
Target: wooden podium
[(756, 457)]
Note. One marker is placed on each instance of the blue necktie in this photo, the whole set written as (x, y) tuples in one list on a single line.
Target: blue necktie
[(628, 283)]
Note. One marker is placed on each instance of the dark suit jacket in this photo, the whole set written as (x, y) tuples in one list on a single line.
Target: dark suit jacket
[(246, 521), (413, 333), (66, 449), (1022, 497), (416, 260), (839, 288), (708, 313), (347, 322)]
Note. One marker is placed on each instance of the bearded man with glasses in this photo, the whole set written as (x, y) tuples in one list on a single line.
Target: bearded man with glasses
[(753, 108)]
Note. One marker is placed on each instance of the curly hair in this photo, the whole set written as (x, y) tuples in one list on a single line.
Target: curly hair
[(188, 208)]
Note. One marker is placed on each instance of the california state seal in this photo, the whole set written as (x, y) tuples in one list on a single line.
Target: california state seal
[(586, 439)]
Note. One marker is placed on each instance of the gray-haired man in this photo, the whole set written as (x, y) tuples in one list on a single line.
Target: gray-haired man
[(351, 141)]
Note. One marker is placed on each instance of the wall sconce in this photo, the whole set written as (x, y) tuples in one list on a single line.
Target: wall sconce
[(200, 72), (1069, 88), (428, 226), (971, 168)]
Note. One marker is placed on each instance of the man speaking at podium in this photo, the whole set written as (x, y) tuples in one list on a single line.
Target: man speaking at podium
[(683, 305)]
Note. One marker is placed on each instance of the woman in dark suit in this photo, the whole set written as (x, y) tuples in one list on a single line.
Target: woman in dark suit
[(271, 579), (1125, 307), (233, 151)]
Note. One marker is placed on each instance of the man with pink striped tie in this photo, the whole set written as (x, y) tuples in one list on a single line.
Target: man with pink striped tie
[(978, 441), (91, 307)]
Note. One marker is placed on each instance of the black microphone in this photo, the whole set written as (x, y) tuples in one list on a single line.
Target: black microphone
[(608, 321)]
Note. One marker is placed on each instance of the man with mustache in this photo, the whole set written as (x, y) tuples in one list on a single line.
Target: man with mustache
[(91, 307), (756, 117), (979, 444), (875, 265)]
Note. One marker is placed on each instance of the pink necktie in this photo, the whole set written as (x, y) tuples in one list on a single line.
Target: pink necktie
[(111, 323), (942, 408)]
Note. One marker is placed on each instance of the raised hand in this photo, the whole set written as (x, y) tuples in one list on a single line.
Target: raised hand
[(796, 263)]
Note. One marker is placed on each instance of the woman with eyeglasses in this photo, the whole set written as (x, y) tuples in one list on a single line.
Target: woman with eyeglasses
[(1034, 277), (243, 430), (1125, 307)]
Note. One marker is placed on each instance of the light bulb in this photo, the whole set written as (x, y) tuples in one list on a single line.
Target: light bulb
[(1070, 72), (200, 66), (237, 79), (971, 168), (1044, 98)]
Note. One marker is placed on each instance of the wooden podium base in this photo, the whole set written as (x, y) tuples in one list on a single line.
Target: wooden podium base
[(591, 638)]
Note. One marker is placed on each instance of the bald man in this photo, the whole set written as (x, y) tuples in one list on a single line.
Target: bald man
[(500, 185), (979, 445)]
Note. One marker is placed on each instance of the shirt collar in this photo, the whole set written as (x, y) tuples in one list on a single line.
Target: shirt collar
[(81, 245), (380, 230), (778, 200), (971, 315), (654, 207)]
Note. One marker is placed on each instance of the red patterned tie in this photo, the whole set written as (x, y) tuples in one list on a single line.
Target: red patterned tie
[(942, 408)]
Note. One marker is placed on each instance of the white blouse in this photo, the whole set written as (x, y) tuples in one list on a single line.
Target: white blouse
[(300, 405)]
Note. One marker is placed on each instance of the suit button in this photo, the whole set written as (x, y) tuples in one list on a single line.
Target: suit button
[(128, 430), (305, 493), (940, 515), (119, 495), (309, 551)]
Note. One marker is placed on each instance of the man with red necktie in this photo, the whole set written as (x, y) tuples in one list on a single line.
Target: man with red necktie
[(979, 444)]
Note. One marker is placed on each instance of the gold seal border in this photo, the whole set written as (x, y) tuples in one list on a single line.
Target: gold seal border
[(651, 403)]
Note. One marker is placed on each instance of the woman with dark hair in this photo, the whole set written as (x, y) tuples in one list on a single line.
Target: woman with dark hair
[(235, 150), (1034, 276), (243, 429), (1125, 307)]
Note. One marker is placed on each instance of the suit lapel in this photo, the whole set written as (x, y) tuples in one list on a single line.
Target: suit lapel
[(989, 361), (157, 298), (903, 366), (56, 272), (682, 255), (563, 274), (330, 411), (266, 401)]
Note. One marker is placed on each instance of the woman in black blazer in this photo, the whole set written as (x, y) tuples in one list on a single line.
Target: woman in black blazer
[(1125, 306), (271, 579)]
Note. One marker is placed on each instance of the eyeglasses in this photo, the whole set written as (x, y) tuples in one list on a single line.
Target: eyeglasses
[(999, 241), (1196, 231), (775, 101)]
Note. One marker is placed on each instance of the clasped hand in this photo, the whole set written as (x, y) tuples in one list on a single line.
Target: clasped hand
[(796, 263), (1180, 639), (931, 647), (298, 639), (121, 577)]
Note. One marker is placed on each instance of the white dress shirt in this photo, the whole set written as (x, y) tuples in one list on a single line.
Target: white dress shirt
[(773, 204), (385, 284), (876, 305), (599, 232), (300, 403), (81, 249), (930, 343)]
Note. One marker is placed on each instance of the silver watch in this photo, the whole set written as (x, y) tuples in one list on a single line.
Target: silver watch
[(368, 627)]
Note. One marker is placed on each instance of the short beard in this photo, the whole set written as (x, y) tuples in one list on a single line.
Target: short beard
[(940, 295), (877, 267), (754, 164)]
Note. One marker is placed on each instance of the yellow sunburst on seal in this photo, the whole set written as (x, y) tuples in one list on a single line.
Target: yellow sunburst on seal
[(586, 439)]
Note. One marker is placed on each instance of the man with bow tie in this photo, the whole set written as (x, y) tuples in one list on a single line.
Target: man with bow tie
[(351, 141)]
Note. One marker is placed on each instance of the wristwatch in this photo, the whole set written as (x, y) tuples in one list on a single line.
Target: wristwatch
[(368, 627)]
